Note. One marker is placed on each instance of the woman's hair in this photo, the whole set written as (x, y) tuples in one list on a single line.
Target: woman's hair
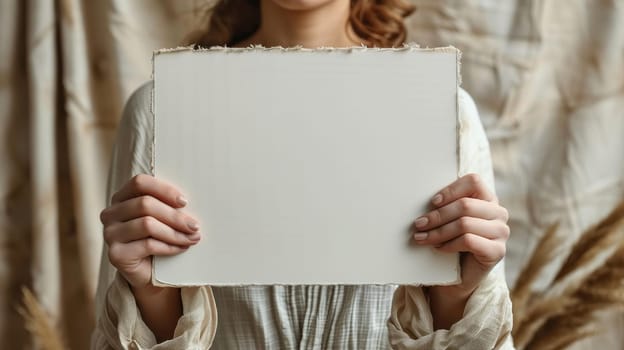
[(378, 23)]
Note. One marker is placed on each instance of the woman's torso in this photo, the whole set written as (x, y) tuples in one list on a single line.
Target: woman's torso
[(288, 317), (303, 317)]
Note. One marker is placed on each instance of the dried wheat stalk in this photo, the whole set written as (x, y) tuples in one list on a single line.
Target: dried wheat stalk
[(38, 323), (544, 252), (590, 280)]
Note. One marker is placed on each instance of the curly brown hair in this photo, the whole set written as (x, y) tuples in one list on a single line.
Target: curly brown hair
[(379, 23)]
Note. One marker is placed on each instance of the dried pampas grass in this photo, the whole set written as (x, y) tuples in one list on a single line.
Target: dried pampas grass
[(590, 280), (39, 324)]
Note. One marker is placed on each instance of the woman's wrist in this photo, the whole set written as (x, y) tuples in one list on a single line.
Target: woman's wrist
[(160, 308), (447, 304), (452, 292), (150, 291)]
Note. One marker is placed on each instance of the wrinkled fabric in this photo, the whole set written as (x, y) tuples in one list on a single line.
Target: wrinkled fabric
[(298, 317), (66, 69), (121, 326), (548, 77), (411, 323)]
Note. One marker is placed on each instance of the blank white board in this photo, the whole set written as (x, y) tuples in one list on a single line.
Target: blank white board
[(306, 166)]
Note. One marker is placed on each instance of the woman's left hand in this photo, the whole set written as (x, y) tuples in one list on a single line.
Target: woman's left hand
[(468, 219)]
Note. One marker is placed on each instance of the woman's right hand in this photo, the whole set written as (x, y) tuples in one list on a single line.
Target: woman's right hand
[(145, 219)]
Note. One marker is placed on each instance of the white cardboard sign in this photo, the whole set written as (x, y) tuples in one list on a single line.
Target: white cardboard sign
[(306, 166)]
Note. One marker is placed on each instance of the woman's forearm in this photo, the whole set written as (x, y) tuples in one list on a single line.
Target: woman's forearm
[(160, 309)]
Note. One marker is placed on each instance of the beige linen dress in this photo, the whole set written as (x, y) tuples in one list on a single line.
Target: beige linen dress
[(298, 317)]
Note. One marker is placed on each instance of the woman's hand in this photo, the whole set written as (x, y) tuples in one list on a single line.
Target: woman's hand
[(468, 219), (143, 220)]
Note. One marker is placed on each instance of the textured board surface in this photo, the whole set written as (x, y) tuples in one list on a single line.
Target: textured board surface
[(306, 166)]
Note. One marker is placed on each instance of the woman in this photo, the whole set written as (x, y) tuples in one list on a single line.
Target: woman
[(146, 217)]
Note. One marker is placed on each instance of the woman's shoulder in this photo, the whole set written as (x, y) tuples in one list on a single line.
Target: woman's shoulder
[(474, 146), (137, 117), (467, 107), (142, 96), (470, 125), (139, 103), (132, 152)]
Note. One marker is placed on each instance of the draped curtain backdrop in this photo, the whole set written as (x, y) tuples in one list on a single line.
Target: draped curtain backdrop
[(547, 76)]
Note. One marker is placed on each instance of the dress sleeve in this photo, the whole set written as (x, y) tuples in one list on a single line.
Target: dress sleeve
[(487, 318), (119, 323)]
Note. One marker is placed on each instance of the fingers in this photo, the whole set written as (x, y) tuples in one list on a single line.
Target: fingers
[(487, 252), (466, 218), (146, 227), (144, 220), (469, 185), (120, 254), (465, 225), (142, 184), (149, 206), (462, 207)]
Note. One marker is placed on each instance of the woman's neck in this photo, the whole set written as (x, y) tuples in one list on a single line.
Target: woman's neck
[(325, 25)]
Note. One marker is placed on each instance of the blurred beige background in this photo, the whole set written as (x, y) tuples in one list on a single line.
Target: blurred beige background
[(548, 78)]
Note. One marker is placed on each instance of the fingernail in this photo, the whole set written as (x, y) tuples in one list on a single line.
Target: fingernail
[(182, 200), (437, 199), (420, 236), (193, 225), (421, 221), (194, 237)]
